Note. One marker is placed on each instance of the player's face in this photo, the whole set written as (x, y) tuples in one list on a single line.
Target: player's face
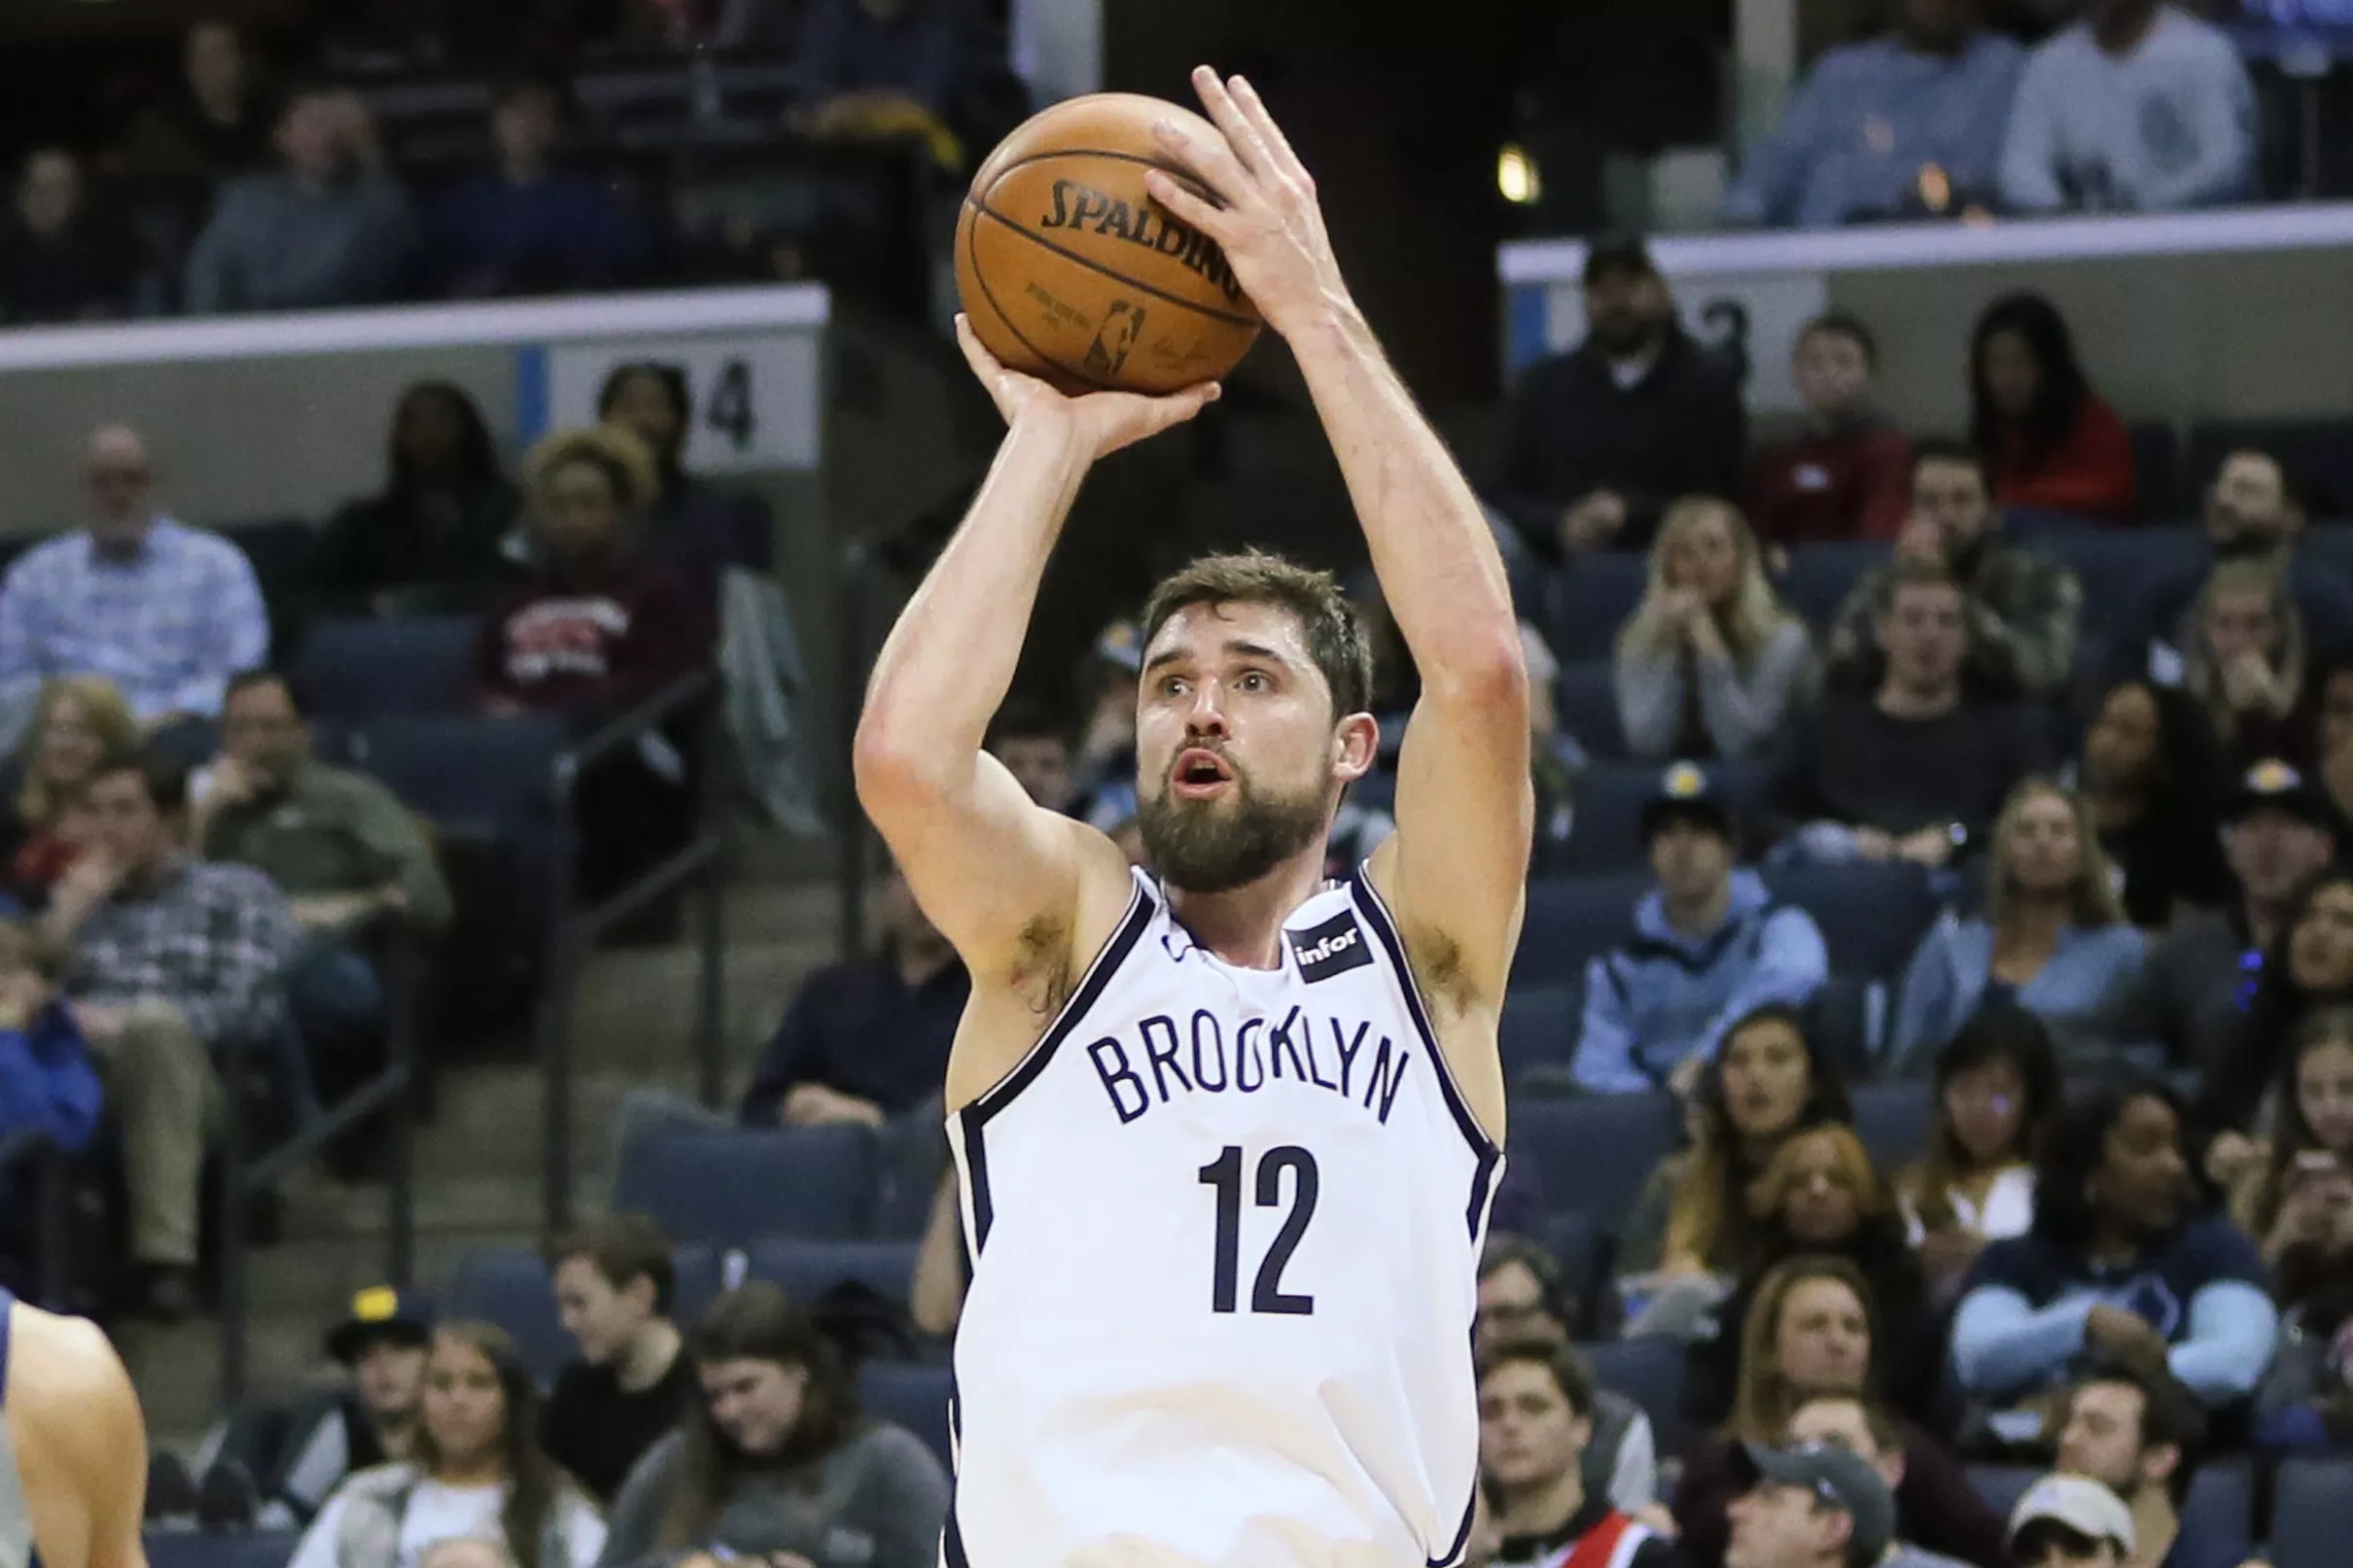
[(391, 1378), (2102, 1437), (465, 1405), (1528, 1436), (1824, 1337), (594, 1313), (1238, 758), (1772, 1526), (755, 1403)]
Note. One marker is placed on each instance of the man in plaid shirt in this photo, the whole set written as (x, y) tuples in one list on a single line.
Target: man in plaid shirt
[(169, 959)]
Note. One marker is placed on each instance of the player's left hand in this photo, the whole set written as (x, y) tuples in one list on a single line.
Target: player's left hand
[(1265, 218)]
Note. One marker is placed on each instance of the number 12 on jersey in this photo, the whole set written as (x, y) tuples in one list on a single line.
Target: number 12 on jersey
[(1224, 1174)]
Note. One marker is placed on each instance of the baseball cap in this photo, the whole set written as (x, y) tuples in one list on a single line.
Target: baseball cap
[(2272, 785), (1686, 791), (380, 1313), (1841, 1477), (2078, 1502), (1618, 253)]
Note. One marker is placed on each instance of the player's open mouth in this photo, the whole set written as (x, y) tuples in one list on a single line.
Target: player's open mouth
[(1200, 774)]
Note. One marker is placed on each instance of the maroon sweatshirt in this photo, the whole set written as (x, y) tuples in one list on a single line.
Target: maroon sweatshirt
[(1853, 482), (598, 644)]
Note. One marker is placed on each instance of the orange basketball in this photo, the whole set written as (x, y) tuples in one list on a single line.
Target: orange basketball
[(1070, 272)]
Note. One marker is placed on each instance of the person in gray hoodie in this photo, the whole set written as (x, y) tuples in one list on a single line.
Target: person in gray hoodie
[(329, 228), (1710, 945)]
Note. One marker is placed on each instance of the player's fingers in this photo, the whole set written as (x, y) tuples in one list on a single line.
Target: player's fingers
[(1277, 144), (984, 363), (1189, 206), (1223, 112), (1209, 159)]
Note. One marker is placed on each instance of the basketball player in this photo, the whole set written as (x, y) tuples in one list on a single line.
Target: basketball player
[(1226, 1135), (73, 1451)]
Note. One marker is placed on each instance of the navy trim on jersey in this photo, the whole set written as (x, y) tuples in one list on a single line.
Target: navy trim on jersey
[(975, 1116), (952, 1542), (8, 1305), (1384, 927)]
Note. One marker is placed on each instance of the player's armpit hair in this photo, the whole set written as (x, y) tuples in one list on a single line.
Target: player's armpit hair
[(1041, 965)]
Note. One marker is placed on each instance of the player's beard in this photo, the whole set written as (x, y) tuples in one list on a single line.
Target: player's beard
[(1213, 846)]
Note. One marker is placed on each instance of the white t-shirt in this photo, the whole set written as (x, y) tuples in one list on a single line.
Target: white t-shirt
[(437, 1512), (2009, 1207)]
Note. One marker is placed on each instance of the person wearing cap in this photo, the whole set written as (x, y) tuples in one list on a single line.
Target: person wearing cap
[(2279, 830), (1710, 945), (2137, 1431), (1601, 437), (1871, 1431), (2070, 1521), (1815, 1505), (1536, 1410)]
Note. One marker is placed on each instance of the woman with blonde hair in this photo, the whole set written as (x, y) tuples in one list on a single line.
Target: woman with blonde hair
[(1711, 661), (2243, 659), (2053, 938), (80, 721)]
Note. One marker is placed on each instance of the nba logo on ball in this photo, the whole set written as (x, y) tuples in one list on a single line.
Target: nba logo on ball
[(1115, 337), (1333, 948)]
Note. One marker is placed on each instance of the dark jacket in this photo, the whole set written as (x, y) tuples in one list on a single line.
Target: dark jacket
[(858, 1029), (381, 556)]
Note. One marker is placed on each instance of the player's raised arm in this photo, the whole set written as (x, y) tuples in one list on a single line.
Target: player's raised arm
[(1456, 865), (1000, 877), (82, 1447)]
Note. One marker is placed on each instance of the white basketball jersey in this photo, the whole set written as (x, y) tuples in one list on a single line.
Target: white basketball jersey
[(1225, 1227)]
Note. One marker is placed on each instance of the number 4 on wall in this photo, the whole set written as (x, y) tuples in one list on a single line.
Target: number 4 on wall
[(728, 410), (1224, 1174)]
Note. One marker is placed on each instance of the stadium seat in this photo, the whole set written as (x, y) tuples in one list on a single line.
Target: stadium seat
[(279, 548), (234, 1548), (1892, 1119), (2316, 453), (2312, 1513), (1540, 1030), (1872, 914), (2221, 1505), (1571, 920), (2115, 565), (1592, 1153), (511, 1286), (807, 1269), (1606, 834), (700, 1273), (913, 1395), (2002, 1485), (1650, 1373), (355, 670), (1586, 700), (731, 1188), (1588, 600), (2157, 470), (1575, 1243), (466, 771), (1845, 1018), (1820, 577)]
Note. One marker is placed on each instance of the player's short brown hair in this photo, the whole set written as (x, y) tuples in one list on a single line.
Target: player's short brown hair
[(1335, 637), (1568, 1368), (622, 1247)]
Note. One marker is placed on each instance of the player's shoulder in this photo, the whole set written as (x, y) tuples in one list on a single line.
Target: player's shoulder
[(62, 1372)]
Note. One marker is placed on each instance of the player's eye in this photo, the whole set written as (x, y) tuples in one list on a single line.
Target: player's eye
[(1254, 681)]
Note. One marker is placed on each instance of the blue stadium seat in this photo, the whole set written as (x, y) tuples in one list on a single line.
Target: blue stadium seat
[(2221, 1505), (1872, 914), (807, 1269), (1540, 1030), (238, 1549), (279, 548), (1575, 1242), (358, 670), (1588, 600), (2116, 565), (2037, 525), (1650, 1373), (2316, 453), (2157, 470), (467, 771), (1586, 700), (1892, 1119), (1606, 836), (910, 1394), (1820, 577), (733, 1188), (1570, 920), (1592, 1153), (2002, 1485), (511, 1286), (2312, 1513), (699, 1271)]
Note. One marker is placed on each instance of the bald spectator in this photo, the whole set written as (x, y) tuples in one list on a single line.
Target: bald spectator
[(167, 612)]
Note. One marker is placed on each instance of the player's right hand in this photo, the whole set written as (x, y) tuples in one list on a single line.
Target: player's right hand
[(1103, 421)]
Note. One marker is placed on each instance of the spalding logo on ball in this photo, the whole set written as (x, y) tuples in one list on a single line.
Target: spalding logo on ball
[(1070, 272)]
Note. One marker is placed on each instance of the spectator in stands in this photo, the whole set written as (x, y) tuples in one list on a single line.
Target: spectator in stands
[(1602, 436), (59, 261), (775, 1461), (867, 1040), (2137, 1431), (1710, 945), (2054, 444), (328, 227), (1918, 770), (435, 541), (2112, 1266), (168, 613), (2243, 660), (2019, 606), (1768, 1081), (2152, 776), (1870, 1431), (695, 528), (2052, 939), (2070, 1521), (633, 1381), (598, 626), (1848, 476), (1523, 1300), (2251, 510), (2139, 107), (1819, 1197), (1997, 1084), (78, 723), (49, 1090), (876, 67), (2278, 832), (1034, 743), (476, 1470), (1818, 1506), (1904, 125), (212, 124), (1711, 662), (1809, 1333), (531, 226), (169, 962), (2288, 1196), (348, 855), (2331, 704), (1537, 1409), (2309, 966)]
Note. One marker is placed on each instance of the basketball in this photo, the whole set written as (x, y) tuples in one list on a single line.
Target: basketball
[(1071, 273)]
